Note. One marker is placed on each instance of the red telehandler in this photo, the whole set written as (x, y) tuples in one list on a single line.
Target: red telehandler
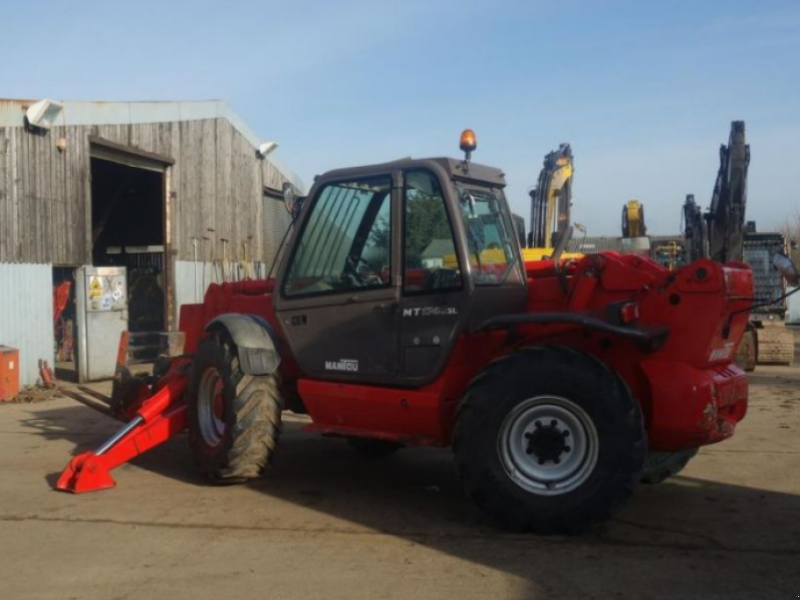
[(402, 314)]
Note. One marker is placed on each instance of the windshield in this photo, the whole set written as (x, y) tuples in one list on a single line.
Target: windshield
[(490, 237), (345, 244)]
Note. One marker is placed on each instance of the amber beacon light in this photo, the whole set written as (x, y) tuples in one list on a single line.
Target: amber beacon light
[(469, 142)]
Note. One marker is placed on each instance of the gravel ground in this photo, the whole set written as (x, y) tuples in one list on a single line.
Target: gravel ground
[(328, 524)]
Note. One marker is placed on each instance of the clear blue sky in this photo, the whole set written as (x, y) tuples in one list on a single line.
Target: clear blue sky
[(644, 91)]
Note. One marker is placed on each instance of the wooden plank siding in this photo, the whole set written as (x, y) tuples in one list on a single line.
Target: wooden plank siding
[(216, 182)]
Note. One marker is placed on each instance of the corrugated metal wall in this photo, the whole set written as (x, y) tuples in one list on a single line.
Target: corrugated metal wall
[(26, 315), (276, 222), (589, 245)]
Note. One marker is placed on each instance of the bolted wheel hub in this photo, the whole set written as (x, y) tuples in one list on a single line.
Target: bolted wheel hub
[(211, 406), (548, 445)]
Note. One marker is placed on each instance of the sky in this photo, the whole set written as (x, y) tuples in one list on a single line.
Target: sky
[(643, 91)]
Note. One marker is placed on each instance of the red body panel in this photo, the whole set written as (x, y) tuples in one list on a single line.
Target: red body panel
[(692, 374), (251, 297), (711, 402), (690, 392), (421, 417)]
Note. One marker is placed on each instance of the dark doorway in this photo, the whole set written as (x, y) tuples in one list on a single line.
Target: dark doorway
[(128, 231), (65, 324)]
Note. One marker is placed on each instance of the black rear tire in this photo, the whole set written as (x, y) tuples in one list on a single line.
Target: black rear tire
[(235, 439), (372, 448), (660, 466), (574, 480)]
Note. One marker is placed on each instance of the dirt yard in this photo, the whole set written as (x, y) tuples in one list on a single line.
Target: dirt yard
[(327, 524)]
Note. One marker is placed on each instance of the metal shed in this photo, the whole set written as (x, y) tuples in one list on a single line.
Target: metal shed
[(173, 193)]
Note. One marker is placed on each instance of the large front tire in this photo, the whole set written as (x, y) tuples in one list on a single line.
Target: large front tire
[(234, 419), (549, 440)]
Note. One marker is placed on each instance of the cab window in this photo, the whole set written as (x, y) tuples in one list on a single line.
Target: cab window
[(491, 240), (345, 245), (430, 262)]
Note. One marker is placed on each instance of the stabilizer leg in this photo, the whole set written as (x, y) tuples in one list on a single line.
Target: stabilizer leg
[(159, 418)]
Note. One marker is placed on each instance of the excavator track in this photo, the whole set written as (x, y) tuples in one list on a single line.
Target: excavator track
[(775, 345)]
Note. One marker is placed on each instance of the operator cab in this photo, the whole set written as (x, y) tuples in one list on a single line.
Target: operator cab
[(390, 263)]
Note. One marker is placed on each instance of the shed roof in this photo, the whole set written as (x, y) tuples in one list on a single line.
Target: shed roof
[(12, 112)]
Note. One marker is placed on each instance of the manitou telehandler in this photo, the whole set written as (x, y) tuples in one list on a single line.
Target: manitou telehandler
[(403, 315)]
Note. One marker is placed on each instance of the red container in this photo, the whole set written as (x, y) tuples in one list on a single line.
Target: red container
[(9, 373)]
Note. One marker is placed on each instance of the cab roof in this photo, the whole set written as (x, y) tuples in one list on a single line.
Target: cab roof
[(453, 168)]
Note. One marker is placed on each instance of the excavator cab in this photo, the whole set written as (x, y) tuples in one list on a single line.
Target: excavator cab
[(390, 263)]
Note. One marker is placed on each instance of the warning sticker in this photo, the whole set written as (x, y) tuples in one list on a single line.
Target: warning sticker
[(95, 287)]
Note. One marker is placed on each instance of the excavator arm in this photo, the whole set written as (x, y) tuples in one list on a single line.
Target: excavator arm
[(694, 230), (726, 214), (719, 233), (551, 199)]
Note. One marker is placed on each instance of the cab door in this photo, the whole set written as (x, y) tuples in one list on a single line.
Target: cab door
[(434, 297), (339, 295)]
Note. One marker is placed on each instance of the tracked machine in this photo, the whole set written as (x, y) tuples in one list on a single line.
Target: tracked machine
[(770, 341), (722, 234), (552, 381), (634, 230)]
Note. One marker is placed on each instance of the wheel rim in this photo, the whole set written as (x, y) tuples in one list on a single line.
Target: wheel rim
[(548, 445), (211, 406)]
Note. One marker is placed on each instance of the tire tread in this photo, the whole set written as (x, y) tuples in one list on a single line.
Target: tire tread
[(253, 427), (483, 486)]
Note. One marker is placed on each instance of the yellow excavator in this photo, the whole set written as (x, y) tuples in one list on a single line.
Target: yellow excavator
[(634, 231), (633, 220), (669, 255), (551, 201)]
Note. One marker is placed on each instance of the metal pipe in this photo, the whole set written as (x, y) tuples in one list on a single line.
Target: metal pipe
[(95, 394), (652, 337), (126, 429), (196, 278), (94, 405), (225, 266)]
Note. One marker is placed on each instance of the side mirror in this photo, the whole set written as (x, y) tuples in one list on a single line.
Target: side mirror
[(784, 265), (291, 200), (470, 200)]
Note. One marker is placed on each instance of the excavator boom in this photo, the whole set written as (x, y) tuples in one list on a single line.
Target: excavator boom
[(726, 213), (694, 230), (719, 233), (552, 198)]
